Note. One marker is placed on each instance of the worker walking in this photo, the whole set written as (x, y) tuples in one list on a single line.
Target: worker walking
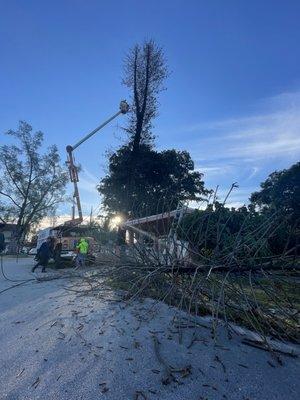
[(43, 255), (82, 248)]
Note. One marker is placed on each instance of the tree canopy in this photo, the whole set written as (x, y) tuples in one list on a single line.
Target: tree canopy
[(141, 180), (144, 73), (268, 226), (31, 184), (161, 179), (280, 192)]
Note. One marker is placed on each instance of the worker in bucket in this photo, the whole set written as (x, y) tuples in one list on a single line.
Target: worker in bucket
[(43, 254), (82, 249)]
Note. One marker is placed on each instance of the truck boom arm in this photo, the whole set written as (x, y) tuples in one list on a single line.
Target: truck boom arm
[(73, 170)]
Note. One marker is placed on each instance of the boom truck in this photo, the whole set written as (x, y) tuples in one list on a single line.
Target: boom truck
[(67, 235)]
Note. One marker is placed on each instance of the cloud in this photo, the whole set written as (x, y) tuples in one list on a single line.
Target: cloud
[(88, 182), (213, 170), (47, 222), (273, 133), (274, 147), (247, 148), (53, 221), (255, 170)]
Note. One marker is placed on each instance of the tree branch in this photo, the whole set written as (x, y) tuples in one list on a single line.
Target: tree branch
[(13, 180), (136, 97), (7, 195)]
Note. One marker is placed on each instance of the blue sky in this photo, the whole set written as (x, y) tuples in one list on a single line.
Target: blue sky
[(232, 99)]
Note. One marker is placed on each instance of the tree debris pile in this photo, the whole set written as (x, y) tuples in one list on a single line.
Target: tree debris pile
[(234, 265)]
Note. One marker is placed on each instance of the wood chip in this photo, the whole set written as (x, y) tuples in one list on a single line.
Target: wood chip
[(186, 371), (62, 335), (20, 373), (217, 359), (272, 365), (139, 395), (36, 383)]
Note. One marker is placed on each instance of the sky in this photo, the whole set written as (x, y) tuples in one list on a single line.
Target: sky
[(232, 98)]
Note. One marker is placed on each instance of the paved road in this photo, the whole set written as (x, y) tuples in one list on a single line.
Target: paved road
[(16, 268), (56, 344)]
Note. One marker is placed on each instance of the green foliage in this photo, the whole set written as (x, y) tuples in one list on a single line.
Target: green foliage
[(268, 226), (219, 231), (100, 232), (160, 180), (31, 184), (142, 181), (236, 235), (280, 192)]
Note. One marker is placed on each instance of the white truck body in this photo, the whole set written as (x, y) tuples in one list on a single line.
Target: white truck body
[(44, 234)]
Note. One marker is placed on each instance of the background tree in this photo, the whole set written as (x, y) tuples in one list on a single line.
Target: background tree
[(268, 227), (280, 192), (161, 179), (145, 71), (141, 180), (31, 184), (280, 195)]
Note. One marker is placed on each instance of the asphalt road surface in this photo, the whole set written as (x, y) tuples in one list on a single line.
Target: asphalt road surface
[(58, 344)]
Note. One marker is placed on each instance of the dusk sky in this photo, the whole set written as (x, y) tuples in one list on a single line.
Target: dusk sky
[(232, 98)]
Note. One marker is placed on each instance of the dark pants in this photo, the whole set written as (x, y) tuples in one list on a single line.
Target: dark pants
[(43, 262)]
